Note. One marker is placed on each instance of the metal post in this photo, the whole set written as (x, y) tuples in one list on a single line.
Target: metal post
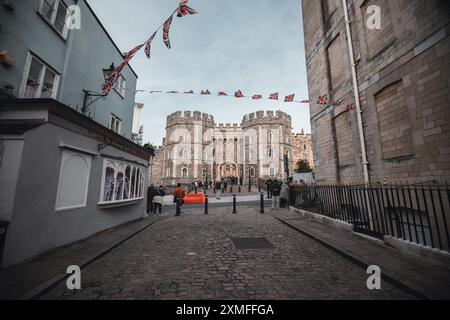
[(234, 204), (206, 204), (262, 202), (239, 189)]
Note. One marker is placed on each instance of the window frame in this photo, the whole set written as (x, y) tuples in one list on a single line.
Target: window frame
[(138, 182), (118, 121), (119, 86), (42, 73), (52, 20)]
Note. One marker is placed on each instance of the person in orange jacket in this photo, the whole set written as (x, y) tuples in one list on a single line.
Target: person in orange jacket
[(178, 198)]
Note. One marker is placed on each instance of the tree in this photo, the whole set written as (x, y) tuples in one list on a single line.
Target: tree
[(303, 167), (150, 148)]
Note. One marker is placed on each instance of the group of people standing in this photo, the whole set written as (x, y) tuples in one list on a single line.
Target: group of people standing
[(155, 198), (281, 193)]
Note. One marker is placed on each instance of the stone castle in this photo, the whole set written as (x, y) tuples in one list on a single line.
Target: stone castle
[(196, 148)]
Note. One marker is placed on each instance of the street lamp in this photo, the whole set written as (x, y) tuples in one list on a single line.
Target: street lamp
[(87, 93)]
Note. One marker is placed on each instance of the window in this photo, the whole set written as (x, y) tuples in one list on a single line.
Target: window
[(119, 86), (270, 153), (73, 181), (41, 81), (185, 173), (272, 172), (121, 182), (55, 12), (115, 123)]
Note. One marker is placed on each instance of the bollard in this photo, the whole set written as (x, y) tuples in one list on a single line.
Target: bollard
[(206, 204), (262, 203), (234, 204), (259, 189), (231, 189)]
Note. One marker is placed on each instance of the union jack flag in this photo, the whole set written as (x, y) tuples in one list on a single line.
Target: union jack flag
[(238, 94), (223, 94), (351, 106), (183, 9), (257, 97), (166, 28), (289, 98), (205, 92), (148, 46), (274, 96), (323, 100), (109, 83), (338, 103)]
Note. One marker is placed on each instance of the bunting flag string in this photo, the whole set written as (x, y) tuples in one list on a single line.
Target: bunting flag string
[(182, 10), (322, 100)]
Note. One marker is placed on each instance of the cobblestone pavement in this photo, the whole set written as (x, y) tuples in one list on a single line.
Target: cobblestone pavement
[(192, 257)]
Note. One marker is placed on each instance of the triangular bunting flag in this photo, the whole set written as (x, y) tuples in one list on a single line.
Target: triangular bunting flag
[(289, 98), (257, 97), (148, 46), (238, 94), (166, 28), (274, 96)]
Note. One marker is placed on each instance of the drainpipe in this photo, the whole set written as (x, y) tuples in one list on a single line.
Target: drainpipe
[(365, 163)]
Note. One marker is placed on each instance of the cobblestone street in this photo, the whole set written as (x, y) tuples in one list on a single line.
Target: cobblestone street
[(193, 257)]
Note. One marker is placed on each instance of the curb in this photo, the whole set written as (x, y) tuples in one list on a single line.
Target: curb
[(45, 287), (387, 276)]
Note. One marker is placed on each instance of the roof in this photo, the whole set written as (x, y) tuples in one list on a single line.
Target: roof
[(65, 117)]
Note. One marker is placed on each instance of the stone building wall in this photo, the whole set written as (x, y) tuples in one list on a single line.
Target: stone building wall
[(403, 73), (302, 148)]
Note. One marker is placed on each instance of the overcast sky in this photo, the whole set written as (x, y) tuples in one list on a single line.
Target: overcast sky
[(253, 45)]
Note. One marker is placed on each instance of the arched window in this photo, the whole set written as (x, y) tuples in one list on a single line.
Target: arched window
[(205, 155), (168, 173), (138, 179), (119, 183), (252, 172), (73, 181), (184, 173), (126, 190), (270, 153), (133, 183), (109, 183)]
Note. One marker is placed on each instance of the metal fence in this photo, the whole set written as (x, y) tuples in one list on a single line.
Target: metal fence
[(414, 212)]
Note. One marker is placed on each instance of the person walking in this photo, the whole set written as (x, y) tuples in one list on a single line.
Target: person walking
[(284, 195), (269, 189), (158, 199), (178, 198), (276, 189), (218, 187), (150, 194)]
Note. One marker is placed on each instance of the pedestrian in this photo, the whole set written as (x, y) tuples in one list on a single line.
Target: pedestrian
[(158, 199), (276, 189), (269, 188), (218, 188), (178, 198), (150, 194), (284, 195), (225, 185)]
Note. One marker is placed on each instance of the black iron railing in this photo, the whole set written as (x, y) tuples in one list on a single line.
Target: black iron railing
[(419, 213)]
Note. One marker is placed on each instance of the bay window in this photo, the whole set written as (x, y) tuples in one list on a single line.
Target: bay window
[(121, 182)]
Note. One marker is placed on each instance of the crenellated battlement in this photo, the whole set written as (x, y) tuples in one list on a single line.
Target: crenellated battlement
[(223, 126), (188, 117), (267, 117)]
